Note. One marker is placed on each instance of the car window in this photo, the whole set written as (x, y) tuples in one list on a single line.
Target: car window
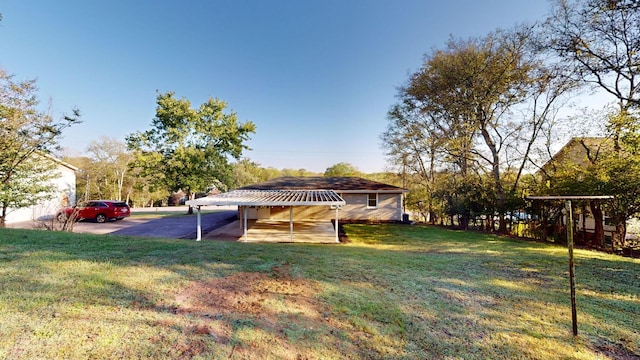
[(91, 204), (120, 204)]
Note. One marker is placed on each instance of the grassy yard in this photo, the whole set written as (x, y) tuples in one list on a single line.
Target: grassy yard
[(394, 291)]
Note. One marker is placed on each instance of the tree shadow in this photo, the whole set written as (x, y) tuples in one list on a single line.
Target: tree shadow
[(415, 297)]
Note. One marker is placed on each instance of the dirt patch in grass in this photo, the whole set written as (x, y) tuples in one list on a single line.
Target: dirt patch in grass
[(259, 314), (614, 350)]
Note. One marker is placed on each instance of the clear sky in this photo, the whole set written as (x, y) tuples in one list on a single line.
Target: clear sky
[(316, 76)]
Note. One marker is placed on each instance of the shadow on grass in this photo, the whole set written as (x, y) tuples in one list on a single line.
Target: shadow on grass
[(394, 291)]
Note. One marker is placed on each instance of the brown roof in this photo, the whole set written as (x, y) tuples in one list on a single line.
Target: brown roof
[(577, 152), (347, 184)]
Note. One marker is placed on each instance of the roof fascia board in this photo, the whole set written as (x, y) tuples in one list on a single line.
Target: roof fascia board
[(266, 203), (371, 191), (59, 161), (252, 198)]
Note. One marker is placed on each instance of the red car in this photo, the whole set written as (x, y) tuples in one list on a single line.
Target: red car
[(98, 210)]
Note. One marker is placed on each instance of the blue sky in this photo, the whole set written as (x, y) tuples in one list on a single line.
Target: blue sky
[(316, 77)]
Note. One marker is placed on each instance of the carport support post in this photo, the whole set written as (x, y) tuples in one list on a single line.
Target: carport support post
[(337, 237), (291, 223), (244, 220), (572, 278), (199, 226)]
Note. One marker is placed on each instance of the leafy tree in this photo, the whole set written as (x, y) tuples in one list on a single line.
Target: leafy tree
[(342, 169), (599, 41), (189, 149), (579, 171), (621, 170), (27, 135), (477, 107), (247, 172), (83, 178), (111, 164), (296, 172), (413, 146)]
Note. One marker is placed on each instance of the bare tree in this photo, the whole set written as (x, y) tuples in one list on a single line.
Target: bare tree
[(600, 41), (486, 102)]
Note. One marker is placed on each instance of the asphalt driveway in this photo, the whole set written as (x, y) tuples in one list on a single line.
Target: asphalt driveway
[(179, 227)]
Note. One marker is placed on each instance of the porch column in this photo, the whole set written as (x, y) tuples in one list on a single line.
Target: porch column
[(199, 226), (244, 220), (291, 223), (337, 237)]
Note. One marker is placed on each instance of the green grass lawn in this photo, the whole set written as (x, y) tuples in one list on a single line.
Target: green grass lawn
[(394, 291)]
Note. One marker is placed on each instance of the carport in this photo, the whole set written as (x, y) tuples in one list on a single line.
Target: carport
[(270, 198)]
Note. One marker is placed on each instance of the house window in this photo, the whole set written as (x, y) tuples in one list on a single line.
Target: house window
[(372, 200)]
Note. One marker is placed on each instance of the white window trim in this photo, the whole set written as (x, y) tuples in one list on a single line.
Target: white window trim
[(377, 201)]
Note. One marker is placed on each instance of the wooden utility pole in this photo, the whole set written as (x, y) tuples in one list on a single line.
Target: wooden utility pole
[(572, 267), (572, 278)]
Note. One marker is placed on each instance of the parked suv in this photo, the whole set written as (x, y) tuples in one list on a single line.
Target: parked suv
[(98, 210)]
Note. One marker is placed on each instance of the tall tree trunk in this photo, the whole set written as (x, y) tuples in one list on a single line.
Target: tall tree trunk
[(464, 219), (3, 217), (190, 196), (544, 224), (584, 222), (598, 217), (617, 241), (495, 171)]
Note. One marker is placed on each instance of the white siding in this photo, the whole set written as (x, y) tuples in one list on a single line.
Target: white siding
[(389, 209), (65, 195)]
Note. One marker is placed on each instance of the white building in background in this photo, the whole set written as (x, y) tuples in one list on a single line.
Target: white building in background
[(64, 195)]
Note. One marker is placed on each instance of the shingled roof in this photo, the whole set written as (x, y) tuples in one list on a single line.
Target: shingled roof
[(576, 152), (339, 184)]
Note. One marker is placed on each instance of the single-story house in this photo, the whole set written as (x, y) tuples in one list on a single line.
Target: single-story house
[(64, 195), (313, 199)]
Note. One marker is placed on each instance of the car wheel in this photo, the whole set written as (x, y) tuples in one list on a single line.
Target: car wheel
[(100, 218), (61, 217)]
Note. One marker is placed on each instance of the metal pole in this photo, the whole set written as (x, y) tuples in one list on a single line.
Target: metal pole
[(337, 237), (199, 227), (572, 279), (244, 220), (291, 223)]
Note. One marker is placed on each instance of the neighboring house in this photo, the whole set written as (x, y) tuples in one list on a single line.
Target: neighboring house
[(580, 152), (65, 185), (365, 200)]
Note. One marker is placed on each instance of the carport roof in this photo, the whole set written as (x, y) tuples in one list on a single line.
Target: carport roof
[(272, 198)]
